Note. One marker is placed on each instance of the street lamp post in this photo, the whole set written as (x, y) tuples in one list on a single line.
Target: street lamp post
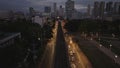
[(116, 58), (100, 45), (110, 46), (70, 41), (39, 39), (99, 39), (113, 35), (41, 36)]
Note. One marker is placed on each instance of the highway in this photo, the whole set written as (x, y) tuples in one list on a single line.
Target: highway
[(63, 52), (77, 58), (47, 60), (61, 59), (56, 53), (107, 51)]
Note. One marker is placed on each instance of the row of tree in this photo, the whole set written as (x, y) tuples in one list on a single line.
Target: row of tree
[(87, 25), (32, 34)]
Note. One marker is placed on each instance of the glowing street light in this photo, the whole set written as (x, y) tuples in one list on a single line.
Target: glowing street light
[(110, 46), (39, 39), (113, 35), (100, 45), (91, 38), (99, 39), (68, 46), (116, 58), (71, 42), (58, 17)]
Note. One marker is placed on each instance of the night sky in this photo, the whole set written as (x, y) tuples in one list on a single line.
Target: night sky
[(23, 5)]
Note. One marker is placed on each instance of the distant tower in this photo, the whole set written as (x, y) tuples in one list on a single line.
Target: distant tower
[(31, 12), (116, 7), (102, 9), (47, 9), (109, 7), (119, 10), (61, 11), (55, 9), (96, 9), (69, 7), (88, 10)]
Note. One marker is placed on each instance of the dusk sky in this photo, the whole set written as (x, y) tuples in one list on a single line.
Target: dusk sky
[(21, 5)]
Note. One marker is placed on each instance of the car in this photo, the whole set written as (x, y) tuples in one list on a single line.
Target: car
[(71, 52), (72, 58)]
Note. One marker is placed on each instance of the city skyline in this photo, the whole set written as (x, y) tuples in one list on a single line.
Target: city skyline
[(22, 5), (60, 33)]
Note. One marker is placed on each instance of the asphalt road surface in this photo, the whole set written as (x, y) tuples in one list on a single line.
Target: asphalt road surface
[(48, 56), (61, 59)]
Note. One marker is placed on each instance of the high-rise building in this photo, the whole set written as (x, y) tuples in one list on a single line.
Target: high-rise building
[(88, 10), (96, 9), (61, 11), (119, 10), (102, 9), (69, 7), (47, 9), (116, 7), (31, 12), (55, 9), (109, 7)]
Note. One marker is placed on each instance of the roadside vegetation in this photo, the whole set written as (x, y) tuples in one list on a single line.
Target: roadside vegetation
[(87, 25), (97, 58), (31, 34)]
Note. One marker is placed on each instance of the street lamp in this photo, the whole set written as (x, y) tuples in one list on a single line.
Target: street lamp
[(100, 45), (116, 58), (91, 38), (70, 41), (39, 39), (113, 35), (99, 39), (85, 35), (110, 46), (68, 46)]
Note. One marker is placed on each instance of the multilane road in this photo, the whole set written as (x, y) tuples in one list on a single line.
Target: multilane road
[(62, 52), (48, 56), (77, 58), (61, 59)]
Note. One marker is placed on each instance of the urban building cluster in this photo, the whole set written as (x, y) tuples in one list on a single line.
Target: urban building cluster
[(54, 11), (11, 15), (109, 11), (99, 10)]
